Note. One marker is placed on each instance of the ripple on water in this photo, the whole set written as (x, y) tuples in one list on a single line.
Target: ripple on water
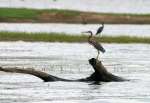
[(126, 60)]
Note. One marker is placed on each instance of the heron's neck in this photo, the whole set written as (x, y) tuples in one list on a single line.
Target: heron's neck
[(90, 36)]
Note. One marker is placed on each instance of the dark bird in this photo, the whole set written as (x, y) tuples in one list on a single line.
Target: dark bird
[(100, 29), (94, 43)]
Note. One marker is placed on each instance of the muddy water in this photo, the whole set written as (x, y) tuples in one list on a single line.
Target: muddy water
[(70, 61)]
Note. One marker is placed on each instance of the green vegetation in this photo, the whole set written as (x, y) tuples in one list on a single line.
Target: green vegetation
[(63, 12), (32, 13), (69, 16), (45, 37), (21, 14), (18, 13), (61, 37), (125, 39)]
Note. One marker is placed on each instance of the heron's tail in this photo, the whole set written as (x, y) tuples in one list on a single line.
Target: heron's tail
[(103, 50)]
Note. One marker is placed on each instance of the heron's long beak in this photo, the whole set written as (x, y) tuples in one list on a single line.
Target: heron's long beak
[(85, 32)]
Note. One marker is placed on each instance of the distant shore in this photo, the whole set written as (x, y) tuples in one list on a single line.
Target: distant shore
[(61, 37), (69, 16)]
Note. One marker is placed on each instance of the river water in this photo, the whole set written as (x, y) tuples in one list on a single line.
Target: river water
[(69, 60), (76, 29), (116, 6)]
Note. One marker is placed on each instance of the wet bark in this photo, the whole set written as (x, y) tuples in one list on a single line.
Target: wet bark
[(100, 74)]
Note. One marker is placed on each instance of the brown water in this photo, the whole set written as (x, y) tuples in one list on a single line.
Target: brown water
[(69, 61)]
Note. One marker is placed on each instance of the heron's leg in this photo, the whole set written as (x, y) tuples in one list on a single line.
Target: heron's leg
[(97, 56)]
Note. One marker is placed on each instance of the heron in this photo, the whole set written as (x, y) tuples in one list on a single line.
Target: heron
[(95, 44), (100, 29)]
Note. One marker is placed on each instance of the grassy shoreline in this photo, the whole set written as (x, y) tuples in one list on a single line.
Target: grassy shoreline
[(69, 16), (61, 37)]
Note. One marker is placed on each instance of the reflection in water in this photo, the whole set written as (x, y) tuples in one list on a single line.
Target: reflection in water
[(72, 63)]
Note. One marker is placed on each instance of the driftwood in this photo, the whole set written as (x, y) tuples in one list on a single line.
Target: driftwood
[(100, 74)]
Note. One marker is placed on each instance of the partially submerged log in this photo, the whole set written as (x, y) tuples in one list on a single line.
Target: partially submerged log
[(42, 75), (100, 74)]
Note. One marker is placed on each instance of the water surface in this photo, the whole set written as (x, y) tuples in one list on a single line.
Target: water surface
[(115, 6), (76, 29), (65, 60)]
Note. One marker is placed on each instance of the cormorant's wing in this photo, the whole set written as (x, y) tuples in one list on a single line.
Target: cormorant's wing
[(100, 29)]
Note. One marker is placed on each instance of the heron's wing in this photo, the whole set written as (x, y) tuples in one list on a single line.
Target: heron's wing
[(97, 45), (101, 48)]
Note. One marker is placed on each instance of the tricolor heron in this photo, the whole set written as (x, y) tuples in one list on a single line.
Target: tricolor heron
[(95, 44), (100, 29)]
